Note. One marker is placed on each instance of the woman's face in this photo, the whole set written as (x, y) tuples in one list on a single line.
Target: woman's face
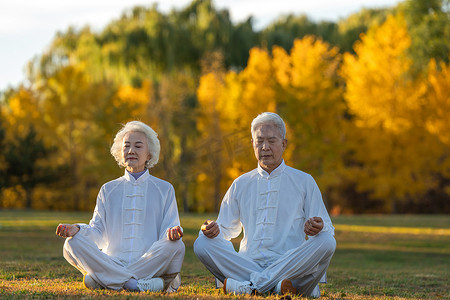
[(135, 151)]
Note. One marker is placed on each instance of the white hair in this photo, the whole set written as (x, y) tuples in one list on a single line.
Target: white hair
[(152, 142), (269, 118)]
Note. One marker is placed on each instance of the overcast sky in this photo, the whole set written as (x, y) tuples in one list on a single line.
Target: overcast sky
[(27, 27)]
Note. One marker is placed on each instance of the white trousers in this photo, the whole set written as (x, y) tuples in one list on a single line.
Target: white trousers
[(164, 259), (304, 265)]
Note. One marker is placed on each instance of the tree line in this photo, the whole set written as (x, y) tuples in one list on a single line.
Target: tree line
[(365, 100)]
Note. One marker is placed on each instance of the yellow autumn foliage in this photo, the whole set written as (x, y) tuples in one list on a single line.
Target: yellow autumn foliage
[(309, 97), (379, 90), (395, 111), (438, 97), (302, 86), (373, 131), (22, 111)]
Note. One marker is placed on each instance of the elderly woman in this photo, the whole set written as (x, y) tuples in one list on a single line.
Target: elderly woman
[(133, 240)]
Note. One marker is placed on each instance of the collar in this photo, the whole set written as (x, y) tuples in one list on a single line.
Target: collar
[(274, 173), (141, 178)]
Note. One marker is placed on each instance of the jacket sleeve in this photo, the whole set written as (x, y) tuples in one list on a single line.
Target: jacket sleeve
[(97, 226), (315, 207), (229, 216), (170, 214)]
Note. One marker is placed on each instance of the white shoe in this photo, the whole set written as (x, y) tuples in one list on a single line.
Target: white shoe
[(150, 284), (285, 287), (90, 283), (231, 286)]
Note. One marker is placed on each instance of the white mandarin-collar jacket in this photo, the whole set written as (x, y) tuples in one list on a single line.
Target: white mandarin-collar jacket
[(131, 214), (272, 210)]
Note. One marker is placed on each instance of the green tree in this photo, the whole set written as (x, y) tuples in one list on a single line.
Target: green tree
[(429, 27), (351, 28), (175, 118), (24, 157), (342, 34)]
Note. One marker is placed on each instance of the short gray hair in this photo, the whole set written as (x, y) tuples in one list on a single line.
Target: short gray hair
[(152, 142), (269, 118)]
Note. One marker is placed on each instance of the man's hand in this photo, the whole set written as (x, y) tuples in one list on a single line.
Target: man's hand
[(67, 230), (175, 233), (210, 229), (313, 226)]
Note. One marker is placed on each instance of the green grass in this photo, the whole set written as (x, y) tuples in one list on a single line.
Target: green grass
[(377, 257)]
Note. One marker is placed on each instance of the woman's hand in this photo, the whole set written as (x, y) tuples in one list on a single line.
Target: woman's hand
[(175, 233), (67, 230)]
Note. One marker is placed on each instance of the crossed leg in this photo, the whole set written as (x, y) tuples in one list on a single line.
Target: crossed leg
[(304, 265), (163, 259)]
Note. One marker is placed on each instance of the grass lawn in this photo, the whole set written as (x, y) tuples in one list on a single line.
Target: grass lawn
[(377, 257)]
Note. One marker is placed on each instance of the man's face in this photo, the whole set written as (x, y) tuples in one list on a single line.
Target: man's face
[(269, 146)]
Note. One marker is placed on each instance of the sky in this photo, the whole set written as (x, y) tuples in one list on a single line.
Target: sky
[(28, 27)]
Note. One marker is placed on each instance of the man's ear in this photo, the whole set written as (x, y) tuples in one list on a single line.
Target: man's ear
[(285, 142)]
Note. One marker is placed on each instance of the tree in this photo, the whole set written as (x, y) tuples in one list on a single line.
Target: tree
[(303, 87), (309, 96), (358, 23), (24, 157), (438, 97), (210, 93), (389, 106), (437, 105), (176, 123), (377, 129), (79, 118), (429, 27)]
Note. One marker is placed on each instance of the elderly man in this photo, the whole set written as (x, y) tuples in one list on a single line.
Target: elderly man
[(288, 237)]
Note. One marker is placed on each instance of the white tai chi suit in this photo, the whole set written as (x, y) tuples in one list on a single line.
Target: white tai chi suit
[(127, 236), (272, 210)]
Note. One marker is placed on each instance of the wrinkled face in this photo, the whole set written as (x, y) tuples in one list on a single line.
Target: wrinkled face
[(269, 146), (135, 151)]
